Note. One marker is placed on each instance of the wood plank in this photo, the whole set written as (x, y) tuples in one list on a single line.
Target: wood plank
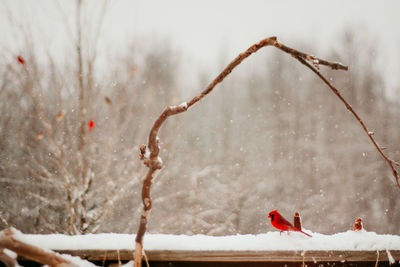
[(238, 256)]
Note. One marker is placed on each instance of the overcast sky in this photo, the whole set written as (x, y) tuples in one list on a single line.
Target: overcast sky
[(204, 29)]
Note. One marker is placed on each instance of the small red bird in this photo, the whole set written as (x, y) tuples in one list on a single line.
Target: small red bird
[(280, 223)]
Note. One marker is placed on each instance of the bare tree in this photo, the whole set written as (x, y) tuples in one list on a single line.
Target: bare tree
[(70, 132)]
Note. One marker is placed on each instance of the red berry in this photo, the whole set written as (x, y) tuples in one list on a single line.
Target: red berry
[(91, 125), (20, 60)]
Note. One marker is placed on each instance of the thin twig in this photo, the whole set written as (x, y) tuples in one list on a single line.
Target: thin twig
[(104, 259), (3, 220), (119, 258), (370, 134), (146, 259)]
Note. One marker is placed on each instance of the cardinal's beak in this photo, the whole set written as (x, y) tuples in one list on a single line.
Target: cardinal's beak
[(269, 216)]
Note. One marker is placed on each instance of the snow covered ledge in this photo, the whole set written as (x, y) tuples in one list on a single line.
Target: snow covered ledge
[(348, 246)]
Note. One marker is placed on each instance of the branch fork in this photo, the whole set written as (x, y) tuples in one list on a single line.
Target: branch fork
[(154, 163)]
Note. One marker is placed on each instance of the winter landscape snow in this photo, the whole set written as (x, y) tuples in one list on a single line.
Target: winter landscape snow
[(350, 240)]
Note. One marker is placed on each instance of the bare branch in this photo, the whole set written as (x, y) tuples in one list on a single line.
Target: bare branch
[(370, 134), (7, 260), (150, 154), (8, 241), (313, 60)]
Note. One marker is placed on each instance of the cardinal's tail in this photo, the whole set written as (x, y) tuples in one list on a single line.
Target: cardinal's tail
[(305, 233), (298, 230)]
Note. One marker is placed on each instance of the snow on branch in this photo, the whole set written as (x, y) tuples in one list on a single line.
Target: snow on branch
[(150, 153), (10, 242)]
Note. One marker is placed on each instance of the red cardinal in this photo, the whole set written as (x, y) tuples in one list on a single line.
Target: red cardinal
[(280, 223)]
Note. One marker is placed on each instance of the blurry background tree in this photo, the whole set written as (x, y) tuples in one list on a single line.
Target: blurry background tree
[(271, 137), (68, 152)]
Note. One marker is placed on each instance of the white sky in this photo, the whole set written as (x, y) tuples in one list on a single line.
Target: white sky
[(205, 29)]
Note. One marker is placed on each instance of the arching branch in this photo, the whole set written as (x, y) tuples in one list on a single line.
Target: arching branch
[(150, 154)]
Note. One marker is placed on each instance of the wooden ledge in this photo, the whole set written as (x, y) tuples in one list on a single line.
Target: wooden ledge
[(238, 256)]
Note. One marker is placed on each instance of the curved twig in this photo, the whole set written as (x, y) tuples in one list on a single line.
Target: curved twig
[(150, 154)]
